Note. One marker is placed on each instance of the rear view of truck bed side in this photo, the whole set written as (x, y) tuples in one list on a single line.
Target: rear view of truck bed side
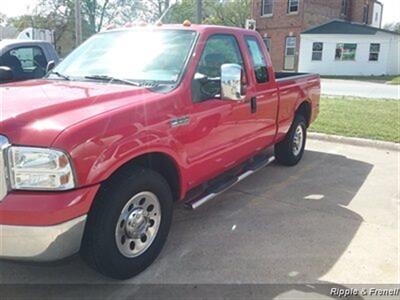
[(299, 90)]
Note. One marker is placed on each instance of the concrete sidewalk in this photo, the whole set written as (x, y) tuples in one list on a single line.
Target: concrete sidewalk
[(331, 219), (355, 88)]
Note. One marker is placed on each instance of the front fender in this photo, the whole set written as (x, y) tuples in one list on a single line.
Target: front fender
[(99, 146)]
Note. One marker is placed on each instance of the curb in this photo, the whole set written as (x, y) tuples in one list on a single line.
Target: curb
[(354, 141), (356, 98)]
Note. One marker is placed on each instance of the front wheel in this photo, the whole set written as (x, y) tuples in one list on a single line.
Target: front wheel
[(289, 151), (128, 224)]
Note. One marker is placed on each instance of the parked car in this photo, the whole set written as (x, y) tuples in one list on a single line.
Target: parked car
[(25, 59), (94, 155)]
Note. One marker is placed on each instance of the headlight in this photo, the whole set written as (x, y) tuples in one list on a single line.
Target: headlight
[(39, 169)]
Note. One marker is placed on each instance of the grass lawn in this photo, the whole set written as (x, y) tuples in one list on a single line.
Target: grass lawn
[(395, 79), (359, 117)]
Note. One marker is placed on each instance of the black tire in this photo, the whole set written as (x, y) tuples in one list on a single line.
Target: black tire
[(284, 152), (99, 247)]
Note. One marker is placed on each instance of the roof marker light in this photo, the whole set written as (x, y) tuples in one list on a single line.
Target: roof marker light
[(110, 26), (187, 23)]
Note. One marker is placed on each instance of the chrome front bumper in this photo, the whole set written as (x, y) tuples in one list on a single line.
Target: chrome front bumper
[(41, 243)]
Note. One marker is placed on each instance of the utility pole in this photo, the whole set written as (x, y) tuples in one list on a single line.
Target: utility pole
[(199, 11), (78, 23)]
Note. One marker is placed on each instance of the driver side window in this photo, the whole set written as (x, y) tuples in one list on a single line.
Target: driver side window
[(219, 49)]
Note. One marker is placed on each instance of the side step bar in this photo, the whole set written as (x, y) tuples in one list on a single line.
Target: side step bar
[(251, 169)]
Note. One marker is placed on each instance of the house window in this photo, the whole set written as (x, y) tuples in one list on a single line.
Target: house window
[(317, 51), (365, 14), (267, 42), (343, 9), (345, 51), (266, 7), (290, 51), (293, 6), (374, 52)]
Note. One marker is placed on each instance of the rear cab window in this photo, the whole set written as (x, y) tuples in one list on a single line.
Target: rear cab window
[(258, 59)]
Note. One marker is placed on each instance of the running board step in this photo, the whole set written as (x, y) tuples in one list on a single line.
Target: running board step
[(213, 192)]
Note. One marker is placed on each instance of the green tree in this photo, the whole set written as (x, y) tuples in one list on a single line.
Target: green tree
[(95, 13), (393, 26), (3, 19), (138, 10), (25, 21), (185, 10), (98, 13), (217, 12), (228, 12)]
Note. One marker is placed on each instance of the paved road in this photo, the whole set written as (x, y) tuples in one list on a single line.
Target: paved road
[(355, 88), (331, 219)]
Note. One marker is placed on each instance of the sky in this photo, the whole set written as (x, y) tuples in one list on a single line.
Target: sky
[(12, 8)]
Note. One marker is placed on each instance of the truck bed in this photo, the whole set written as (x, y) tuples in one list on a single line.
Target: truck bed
[(293, 89)]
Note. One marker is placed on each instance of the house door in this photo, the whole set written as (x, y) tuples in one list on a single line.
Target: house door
[(290, 53)]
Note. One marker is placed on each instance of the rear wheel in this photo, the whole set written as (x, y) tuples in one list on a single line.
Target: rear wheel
[(128, 224), (289, 151)]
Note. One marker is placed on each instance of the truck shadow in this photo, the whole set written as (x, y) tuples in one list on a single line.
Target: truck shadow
[(282, 226)]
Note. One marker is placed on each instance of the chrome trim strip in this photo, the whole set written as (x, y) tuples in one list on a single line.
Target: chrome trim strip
[(41, 243), (295, 77)]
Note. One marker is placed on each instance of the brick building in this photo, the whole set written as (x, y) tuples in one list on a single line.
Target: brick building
[(280, 22)]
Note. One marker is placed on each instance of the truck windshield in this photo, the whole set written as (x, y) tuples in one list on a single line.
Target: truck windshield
[(140, 55)]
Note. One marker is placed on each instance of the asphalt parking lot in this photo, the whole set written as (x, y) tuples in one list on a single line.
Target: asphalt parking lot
[(334, 218)]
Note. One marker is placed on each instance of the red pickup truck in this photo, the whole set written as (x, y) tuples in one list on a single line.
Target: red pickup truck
[(93, 156)]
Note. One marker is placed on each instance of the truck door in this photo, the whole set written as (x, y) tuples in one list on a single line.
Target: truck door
[(264, 95), (219, 131)]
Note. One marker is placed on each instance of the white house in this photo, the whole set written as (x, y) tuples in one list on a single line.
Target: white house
[(343, 48)]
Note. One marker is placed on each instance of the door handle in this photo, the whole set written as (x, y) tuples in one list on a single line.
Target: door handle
[(253, 105), (179, 121)]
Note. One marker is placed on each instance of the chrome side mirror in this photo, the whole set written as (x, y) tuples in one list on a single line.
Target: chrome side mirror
[(231, 77), (6, 74)]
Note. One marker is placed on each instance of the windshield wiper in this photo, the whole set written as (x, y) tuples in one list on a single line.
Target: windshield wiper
[(110, 79), (59, 75)]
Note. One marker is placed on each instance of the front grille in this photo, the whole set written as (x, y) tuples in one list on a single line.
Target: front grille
[(3, 181)]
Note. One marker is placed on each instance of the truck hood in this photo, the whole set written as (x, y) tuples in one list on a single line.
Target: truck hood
[(36, 112)]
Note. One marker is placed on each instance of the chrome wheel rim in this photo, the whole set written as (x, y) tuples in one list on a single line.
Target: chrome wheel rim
[(138, 224), (298, 140)]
